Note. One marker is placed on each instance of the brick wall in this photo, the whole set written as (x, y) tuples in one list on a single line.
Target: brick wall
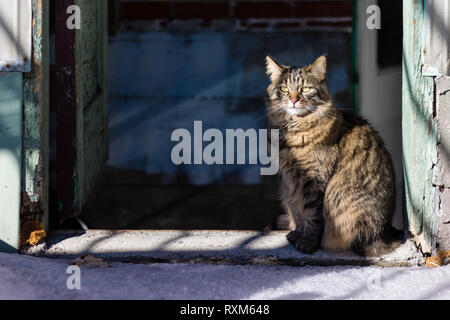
[(303, 14), (175, 62)]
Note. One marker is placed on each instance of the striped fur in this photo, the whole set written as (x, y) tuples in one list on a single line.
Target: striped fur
[(337, 179)]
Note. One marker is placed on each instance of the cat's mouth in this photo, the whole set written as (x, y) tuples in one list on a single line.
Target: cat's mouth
[(300, 111)]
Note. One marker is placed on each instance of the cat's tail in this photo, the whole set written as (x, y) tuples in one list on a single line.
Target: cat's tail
[(390, 241)]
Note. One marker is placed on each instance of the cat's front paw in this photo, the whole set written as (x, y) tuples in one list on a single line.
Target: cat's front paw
[(302, 243)]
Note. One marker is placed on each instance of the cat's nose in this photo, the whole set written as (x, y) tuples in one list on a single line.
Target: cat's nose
[(294, 100)]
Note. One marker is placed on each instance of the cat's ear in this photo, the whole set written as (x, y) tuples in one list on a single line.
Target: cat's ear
[(274, 69), (319, 67)]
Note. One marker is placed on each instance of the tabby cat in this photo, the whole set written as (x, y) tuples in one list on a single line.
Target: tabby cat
[(337, 179)]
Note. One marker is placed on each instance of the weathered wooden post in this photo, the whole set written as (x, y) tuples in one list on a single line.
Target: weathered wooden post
[(35, 182), (425, 122), (23, 117)]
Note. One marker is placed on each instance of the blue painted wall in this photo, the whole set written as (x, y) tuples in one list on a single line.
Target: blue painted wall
[(161, 81)]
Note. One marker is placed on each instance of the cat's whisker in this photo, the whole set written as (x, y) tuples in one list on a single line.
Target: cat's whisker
[(327, 114)]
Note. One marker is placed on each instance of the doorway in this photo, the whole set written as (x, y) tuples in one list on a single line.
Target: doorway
[(170, 66)]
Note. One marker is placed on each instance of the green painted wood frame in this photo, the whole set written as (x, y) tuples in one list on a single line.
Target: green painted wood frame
[(24, 113), (419, 131), (24, 140)]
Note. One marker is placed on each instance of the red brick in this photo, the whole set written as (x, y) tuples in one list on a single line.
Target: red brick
[(134, 10), (322, 9), (144, 10), (266, 9), (200, 10)]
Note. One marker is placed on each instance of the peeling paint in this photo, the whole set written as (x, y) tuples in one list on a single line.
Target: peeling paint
[(441, 171), (21, 65), (29, 211), (35, 140), (420, 132)]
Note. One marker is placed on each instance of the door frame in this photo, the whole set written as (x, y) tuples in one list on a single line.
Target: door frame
[(29, 201), (30, 101)]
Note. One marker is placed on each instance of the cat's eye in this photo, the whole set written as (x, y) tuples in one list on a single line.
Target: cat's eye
[(306, 89), (284, 89)]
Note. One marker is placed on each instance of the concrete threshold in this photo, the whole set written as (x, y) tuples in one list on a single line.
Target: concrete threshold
[(205, 246)]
